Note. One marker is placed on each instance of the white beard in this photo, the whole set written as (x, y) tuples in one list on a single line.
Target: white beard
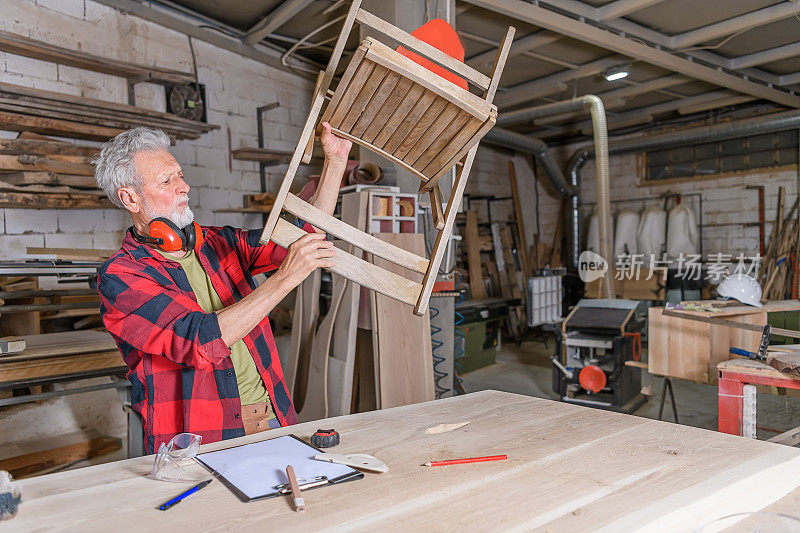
[(180, 216)]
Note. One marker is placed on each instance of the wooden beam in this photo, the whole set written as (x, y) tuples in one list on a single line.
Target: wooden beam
[(276, 18), (25, 46), (53, 201)]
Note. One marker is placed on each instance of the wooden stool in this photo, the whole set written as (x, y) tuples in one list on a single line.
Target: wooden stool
[(393, 106)]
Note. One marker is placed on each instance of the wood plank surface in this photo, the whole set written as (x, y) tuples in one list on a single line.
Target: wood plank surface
[(407, 95), (365, 95), (375, 104), (405, 364), (569, 468)]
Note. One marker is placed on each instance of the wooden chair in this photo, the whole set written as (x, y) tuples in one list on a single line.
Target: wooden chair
[(397, 108)]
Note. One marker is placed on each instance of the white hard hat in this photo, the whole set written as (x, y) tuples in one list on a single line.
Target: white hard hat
[(741, 287)]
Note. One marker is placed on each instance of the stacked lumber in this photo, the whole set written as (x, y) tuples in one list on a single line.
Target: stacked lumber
[(48, 455), (54, 354), (496, 265), (38, 172), (780, 259), (47, 112)]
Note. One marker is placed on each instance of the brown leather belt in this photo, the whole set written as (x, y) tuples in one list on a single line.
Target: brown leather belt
[(255, 417)]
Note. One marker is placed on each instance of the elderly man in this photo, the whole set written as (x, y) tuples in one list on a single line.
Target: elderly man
[(181, 302)]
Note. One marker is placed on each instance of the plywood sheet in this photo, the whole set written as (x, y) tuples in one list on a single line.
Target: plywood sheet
[(691, 350), (405, 365)]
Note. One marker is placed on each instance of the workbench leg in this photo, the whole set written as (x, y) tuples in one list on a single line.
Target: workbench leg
[(730, 393), (668, 386)]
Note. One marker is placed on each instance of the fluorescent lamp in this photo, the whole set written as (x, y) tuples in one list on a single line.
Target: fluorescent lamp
[(616, 73)]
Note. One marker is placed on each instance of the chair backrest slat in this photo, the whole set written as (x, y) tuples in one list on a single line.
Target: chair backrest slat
[(431, 52)]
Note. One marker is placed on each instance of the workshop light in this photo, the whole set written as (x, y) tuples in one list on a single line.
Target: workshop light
[(616, 73)]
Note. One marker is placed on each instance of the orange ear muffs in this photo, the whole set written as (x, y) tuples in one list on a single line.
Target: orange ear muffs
[(171, 237), (194, 236)]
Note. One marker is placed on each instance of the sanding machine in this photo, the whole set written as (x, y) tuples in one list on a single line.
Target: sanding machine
[(597, 337)]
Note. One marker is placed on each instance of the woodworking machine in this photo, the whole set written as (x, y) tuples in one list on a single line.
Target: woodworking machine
[(597, 337)]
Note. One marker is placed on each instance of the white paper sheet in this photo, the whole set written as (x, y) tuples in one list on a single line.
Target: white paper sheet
[(256, 468)]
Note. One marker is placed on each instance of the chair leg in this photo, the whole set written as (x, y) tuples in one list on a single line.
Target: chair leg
[(443, 237), (311, 121)]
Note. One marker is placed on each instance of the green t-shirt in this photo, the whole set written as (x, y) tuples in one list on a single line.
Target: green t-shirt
[(251, 386)]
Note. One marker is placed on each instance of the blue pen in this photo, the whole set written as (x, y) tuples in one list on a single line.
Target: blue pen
[(177, 499)]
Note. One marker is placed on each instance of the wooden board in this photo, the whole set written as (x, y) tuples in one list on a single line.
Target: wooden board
[(315, 405), (342, 362), (569, 468), (691, 350), (29, 177), (30, 457), (474, 257), (61, 344), (405, 364), (25, 46), (523, 241), (304, 323), (56, 366)]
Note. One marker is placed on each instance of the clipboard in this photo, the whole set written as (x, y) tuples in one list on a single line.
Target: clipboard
[(251, 471)]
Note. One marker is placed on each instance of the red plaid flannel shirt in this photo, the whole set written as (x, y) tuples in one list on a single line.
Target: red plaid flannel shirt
[(181, 372)]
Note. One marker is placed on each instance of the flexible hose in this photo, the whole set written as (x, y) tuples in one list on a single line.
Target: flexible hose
[(601, 169), (438, 375), (458, 339)]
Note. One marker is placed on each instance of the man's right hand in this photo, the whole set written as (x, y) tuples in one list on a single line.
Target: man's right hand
[(306, 254)]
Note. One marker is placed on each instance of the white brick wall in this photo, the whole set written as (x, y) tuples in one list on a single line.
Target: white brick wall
[(235, 87)]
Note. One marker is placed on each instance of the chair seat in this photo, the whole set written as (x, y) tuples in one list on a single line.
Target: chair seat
[(399, 109)]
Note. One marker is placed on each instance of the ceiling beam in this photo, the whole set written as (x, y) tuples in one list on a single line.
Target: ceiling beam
[(641, 115), (790, 79), (276, 18), (582, 31), (552, 84), (494, 44), (616, 98), (611, 99), (766, 56), (620, 8), (656, 38), (715, 104), (519, 46), (732, 25)]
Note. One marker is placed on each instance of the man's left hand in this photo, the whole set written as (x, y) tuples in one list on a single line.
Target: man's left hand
[(335, 148)]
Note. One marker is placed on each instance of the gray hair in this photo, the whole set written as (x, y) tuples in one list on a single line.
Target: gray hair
[(115, 168)]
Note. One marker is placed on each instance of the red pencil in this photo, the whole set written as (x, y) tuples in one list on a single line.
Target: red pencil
[(468, 460)]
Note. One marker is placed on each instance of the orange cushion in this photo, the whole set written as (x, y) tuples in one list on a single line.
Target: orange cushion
[(439, 34)]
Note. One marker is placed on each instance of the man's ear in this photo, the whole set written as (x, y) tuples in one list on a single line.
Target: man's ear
[(130, 199)]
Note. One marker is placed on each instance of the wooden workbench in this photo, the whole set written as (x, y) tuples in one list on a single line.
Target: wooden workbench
[(691, 350), (570, 468)]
